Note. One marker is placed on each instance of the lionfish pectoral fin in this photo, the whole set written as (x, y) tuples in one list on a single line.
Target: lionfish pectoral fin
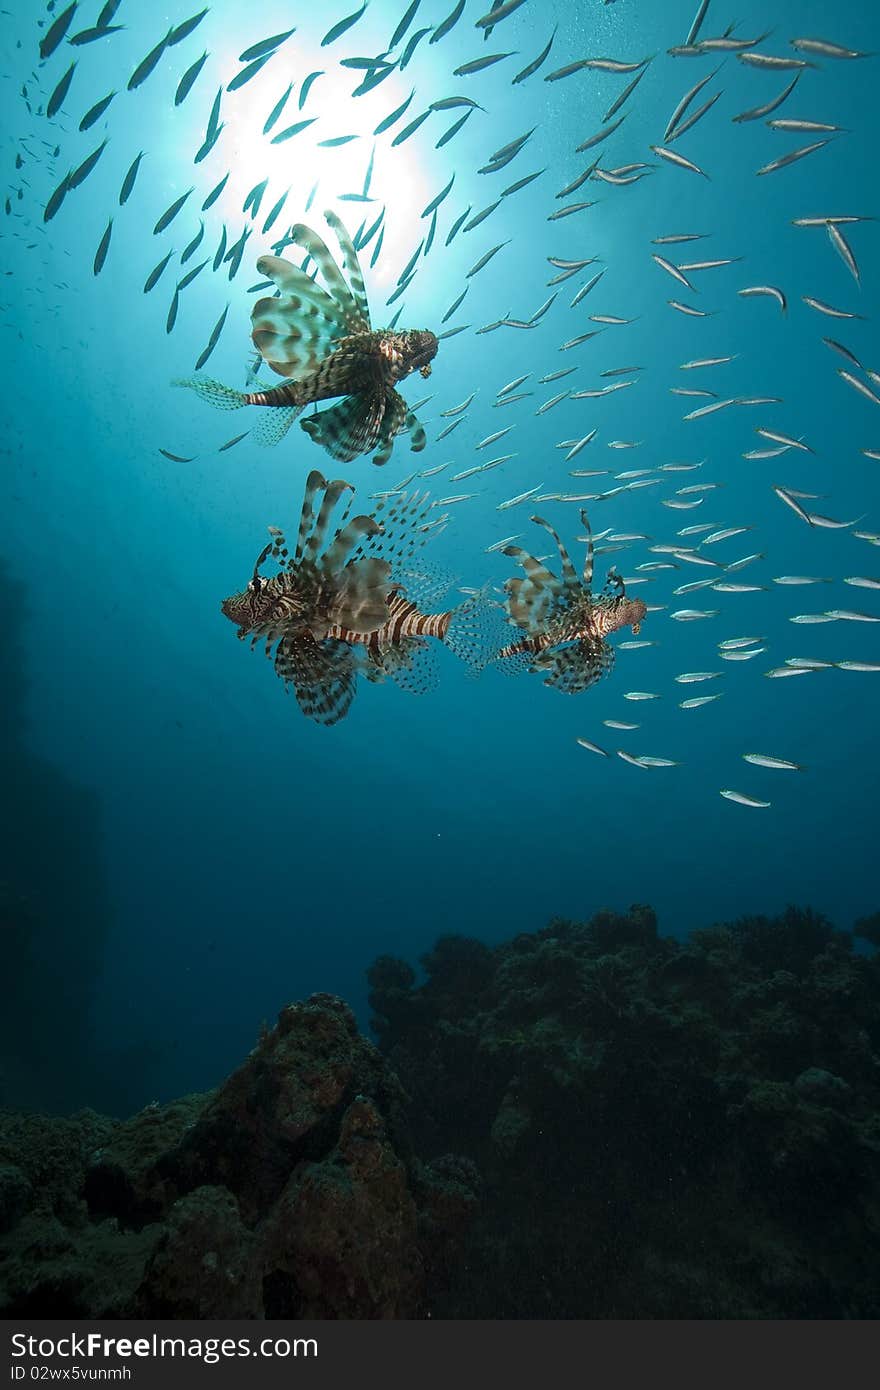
[(214, 392), (360, 602), (575, 667), (350, 428), (534, 600), (294, 334), (416, 431), (323, 675)]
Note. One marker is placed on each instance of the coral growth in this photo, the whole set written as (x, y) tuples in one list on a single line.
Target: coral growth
[(617, 1125), (663, 1129), (287, 1192)]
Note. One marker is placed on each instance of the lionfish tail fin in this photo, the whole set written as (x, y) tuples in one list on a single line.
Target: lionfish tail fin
[(214, 392), (475, 630)]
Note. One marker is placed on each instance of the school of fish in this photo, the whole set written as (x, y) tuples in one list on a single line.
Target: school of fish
[(355, 596)]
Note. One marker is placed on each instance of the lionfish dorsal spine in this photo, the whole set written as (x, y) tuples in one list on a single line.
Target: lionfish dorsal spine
[(588, 558), (346, 539), (569, 574), (352, 267), (314, 484), (263, 555), (317, 248), (316, 540)]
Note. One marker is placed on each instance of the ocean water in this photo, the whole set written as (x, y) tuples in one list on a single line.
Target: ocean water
[(184, 851)]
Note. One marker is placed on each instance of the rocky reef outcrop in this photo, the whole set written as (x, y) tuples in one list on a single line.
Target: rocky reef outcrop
[(290, 1191), (664, 1129), (588, 1121)]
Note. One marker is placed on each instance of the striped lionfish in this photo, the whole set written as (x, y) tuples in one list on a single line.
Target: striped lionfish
[(565, 625), (323, 341), (335, 610)]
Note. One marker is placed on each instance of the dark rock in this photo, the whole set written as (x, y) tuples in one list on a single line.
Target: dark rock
[(289, 1191), (663, 1128), (205, 1265)]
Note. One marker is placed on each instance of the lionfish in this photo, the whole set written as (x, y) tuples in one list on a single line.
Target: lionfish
[(323, 341), (335, 610), (565, 625)]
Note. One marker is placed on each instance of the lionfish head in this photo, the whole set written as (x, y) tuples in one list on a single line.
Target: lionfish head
[(420, 347), (251, 608), (631, 613)]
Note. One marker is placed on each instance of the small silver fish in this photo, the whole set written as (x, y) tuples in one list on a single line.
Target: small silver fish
[(824, 49), (742, 799), (824, 308), (792, 157), (766, 760), (847, 615), (765, 289), (860, 386), (780, 672), (591, 747), (673, 157), (698, 700), (688, 309)]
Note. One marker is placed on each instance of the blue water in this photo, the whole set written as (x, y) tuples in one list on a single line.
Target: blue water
[(247, 856)]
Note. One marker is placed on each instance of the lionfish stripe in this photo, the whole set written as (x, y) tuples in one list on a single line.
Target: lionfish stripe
[(275, 396)]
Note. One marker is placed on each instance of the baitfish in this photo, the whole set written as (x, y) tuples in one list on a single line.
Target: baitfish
[(213, 340), (103, 248), (129, 180), (54, 35), (185, 85), (170, 213)]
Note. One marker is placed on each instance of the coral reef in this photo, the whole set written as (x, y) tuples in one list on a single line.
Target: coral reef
[(664, 1129), (590, 1121), (290, 1191)]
